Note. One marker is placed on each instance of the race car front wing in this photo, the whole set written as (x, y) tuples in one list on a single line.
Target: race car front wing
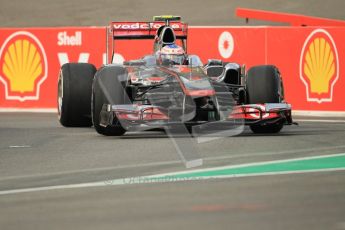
[(132, 115)]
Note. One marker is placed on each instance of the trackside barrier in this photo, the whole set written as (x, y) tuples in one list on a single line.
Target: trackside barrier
[(311, 59), (291, 19)]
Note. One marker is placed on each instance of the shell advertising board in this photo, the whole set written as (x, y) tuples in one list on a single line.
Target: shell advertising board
[(311, 59)]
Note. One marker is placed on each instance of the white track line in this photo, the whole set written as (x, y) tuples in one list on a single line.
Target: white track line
[(312, 113), (126, 181), (249, 164), (147, 180), (319, 120), (151, 164), (162, 163)]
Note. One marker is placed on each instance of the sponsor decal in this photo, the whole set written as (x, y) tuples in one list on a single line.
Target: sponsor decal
[(319, 66), (23, 66), (226, 44), (143, 26), (118, 58), (69, 40), (63, 58)]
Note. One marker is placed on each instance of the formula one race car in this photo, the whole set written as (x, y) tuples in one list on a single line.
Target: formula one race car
[(169, 87)]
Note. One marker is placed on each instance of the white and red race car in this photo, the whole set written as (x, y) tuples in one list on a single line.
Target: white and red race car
[(152, 93)]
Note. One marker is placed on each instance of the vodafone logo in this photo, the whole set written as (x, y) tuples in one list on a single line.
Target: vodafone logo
[(319, 66), (143, 26), (226, 44), (23, 66)]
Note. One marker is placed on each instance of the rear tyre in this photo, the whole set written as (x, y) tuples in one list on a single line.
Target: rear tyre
[(74, 94), (108, 88), (264, 85)]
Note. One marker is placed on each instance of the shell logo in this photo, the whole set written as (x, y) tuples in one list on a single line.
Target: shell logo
[(23, 66), (319, 66)]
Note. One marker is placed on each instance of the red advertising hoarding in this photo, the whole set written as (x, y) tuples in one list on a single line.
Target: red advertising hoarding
[(311, 59)]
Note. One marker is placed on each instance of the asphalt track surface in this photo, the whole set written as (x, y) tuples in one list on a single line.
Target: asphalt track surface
[(36, 152)]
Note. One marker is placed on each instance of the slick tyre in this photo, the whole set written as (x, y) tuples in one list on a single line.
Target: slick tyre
[(74, 94), (108, 88), (263, 85)]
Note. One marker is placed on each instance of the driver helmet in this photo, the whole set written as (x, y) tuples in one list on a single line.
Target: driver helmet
[(172, 54)]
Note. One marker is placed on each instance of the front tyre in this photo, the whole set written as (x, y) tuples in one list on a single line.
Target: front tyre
[(270, 128), (264, 85), (74, 94), (108, 88)]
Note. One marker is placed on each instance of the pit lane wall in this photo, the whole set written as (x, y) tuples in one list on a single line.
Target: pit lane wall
[(311, 59)]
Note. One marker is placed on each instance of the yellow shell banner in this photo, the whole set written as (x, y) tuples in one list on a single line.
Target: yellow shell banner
[(319, 66), (23, 66)]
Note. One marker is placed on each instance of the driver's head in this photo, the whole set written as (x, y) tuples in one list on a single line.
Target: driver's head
[(172, 54)]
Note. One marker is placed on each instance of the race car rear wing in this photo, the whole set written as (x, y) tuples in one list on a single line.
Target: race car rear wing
[(140, 30), (145, 30)]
